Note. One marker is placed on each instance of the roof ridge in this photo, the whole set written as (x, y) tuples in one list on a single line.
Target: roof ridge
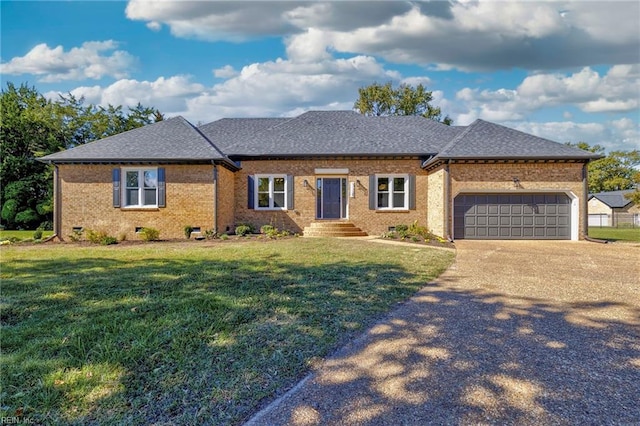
[(213, 145), (456, 138)]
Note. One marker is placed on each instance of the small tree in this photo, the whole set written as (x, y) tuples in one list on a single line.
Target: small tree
[(616, 171), (383, 100)]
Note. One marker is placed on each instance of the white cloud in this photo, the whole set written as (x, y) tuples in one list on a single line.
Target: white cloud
[(215, 20), (275, 88), (309, 47), (616, 91), (89, 61), (154, 26), (468, 35), (616, 135), (169, 95), (629, 131), (225, 72), (279, 87)]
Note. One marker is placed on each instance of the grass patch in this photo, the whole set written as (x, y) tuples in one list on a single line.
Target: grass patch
[(21, 235), (615, 234), (178, 333)]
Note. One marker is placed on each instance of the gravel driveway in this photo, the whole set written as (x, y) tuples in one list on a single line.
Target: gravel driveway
[(514, 333)]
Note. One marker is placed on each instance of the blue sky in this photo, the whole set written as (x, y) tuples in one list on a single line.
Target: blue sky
[(568, 71)]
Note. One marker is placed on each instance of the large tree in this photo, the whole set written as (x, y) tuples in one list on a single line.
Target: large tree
[(29, 128), (616, 171), (32, 126), (383, 99)]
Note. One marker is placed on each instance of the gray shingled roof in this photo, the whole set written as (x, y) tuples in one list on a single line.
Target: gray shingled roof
[(483, 140), (614, 199), (170, 140), (229, 131), (316, 133), (319, 133)]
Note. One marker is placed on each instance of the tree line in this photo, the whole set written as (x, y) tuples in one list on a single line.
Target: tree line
[(32, 126)]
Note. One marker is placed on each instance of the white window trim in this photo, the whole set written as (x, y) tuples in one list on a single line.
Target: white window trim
[(123, 186), (406, 191), (256, 193)]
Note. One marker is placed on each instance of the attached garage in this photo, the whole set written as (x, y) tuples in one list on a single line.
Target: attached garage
[(512, 216)]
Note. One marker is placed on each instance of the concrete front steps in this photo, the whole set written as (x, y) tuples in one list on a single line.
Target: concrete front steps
[(333, 229)]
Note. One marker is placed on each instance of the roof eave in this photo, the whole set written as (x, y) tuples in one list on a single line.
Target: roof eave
[(440, 159), (224, 161), (263, 156)]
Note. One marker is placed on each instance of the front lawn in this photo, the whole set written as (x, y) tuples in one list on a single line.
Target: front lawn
[(615, 234), (189, 332), (21, 235)]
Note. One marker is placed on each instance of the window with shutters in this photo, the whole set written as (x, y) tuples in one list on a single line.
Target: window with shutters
[(392, 192), (140, 187), (271, 192)]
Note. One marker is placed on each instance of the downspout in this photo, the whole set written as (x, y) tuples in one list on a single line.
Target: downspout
[(447, 201), (584, 203), (215, 199), (57, 208)]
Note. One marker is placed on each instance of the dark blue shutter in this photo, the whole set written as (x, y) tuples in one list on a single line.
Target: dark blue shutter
[(412, 192), (372, 192), (289, 192), (162, 192), (250, 189), (115, 178)]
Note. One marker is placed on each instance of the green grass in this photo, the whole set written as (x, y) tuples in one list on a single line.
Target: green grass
[(615, 234), (186, 333), (21, 235)]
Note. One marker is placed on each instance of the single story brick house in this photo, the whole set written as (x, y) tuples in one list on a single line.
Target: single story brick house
[(482, 181), (612, 208)]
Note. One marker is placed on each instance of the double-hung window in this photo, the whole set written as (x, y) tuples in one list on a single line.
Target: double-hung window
[(392, 192), (140, 187), (271, 192)]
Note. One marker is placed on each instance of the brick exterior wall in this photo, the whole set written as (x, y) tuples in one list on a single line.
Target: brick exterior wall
[(87, 201), (226, 200), (86, 194), (535, 177), (371, 221)]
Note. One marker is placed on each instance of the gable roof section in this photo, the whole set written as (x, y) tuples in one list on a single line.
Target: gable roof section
[(321, 133), (613, 199), (172, 140), (485, 140)]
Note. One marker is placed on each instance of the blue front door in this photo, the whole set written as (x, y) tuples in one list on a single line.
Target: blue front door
[(330, 198)]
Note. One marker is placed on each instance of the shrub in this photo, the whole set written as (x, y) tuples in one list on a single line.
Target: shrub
[(108, 240), (210, 234), (47, 225), (242, 230), (76, 235), (188, 229), (415, 229), (95, 236), (402, 228), (224, 237), (270, 231), (264, 229), (149, 234), (37, 235), (100, 237)]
